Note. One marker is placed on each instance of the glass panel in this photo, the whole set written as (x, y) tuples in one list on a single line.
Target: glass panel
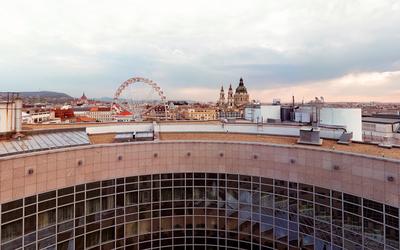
[(352, 222), (46, 218), (108, 202), (166, 194), (144, 226), (92, 239), (306, 208), (107, 234), (65, 213), (131, 198), (131, 229), (322, 213), (30, 224), (93, 206), (145, 196), (11, 231), (392, 237), (373, 215)]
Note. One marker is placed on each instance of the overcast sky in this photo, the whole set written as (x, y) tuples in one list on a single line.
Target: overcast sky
[(342, 50)]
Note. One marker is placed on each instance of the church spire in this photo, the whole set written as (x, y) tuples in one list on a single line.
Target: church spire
[(221, 100)]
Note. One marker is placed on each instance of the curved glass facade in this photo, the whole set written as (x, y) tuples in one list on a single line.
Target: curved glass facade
[(197, 211)]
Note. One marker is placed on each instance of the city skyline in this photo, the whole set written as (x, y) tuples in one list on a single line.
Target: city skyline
[(344, 51), (200, 125)]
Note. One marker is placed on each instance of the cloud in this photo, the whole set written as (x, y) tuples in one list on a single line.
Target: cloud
[(366, 87), (76, 46), (197, 94)]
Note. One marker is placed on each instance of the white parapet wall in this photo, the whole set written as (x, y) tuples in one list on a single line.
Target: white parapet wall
[(141, 127), (264, 129), (350, 118)]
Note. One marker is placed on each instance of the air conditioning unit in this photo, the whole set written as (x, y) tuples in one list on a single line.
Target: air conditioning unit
[(310, 135)]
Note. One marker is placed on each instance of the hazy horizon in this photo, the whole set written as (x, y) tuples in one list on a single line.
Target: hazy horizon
[(346, 51)]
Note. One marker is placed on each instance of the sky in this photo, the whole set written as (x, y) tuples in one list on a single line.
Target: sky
[(339, 49)]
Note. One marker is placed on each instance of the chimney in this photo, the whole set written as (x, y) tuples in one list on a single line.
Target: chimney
[(18, 115)]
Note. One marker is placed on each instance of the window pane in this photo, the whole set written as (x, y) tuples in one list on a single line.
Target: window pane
[(11, 231), (46, 218), (65, 213), (93, 206), (131, 229)]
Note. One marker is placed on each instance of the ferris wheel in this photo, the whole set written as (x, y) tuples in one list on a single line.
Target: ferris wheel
[(142, 97)]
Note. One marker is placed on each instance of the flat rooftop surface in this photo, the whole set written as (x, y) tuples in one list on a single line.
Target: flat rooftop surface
[(359, 148), (381, 120)]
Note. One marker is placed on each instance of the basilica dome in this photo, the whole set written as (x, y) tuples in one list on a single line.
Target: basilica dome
[(241, 88)]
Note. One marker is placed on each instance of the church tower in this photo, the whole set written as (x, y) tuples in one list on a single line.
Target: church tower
[(230, 97), (221, 101)]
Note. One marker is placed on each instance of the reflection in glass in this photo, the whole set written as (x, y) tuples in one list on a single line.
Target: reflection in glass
[(46, 218)]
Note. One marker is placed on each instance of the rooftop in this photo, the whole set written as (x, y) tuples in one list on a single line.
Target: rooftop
[(359, 148), (381, 120), (44, 141), (61, 135)]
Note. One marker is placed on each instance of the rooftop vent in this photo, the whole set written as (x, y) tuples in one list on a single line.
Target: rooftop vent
[(310, 135), (345, 138)]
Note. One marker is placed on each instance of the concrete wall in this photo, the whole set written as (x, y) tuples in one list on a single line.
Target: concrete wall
[(270, 112), (360, 175), (350, 118), (263, 113), (7, 117)]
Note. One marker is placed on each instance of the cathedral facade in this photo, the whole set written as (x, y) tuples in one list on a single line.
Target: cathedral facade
[(237, 100)]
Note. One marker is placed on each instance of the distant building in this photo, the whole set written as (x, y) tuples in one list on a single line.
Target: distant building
[(229, 114), (81, 111), (124, 116), (64, 114), (233, 106), (101, 114), (202, 114), (241, 97), (381, 129), (37, 116), (83, 100), (84, 119), (238, 100), (159, 111), (98, 113), (261, 113), (221, 100), (348, 118)]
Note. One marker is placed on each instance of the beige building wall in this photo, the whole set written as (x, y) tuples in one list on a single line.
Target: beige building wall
[(365, 176), (202, 114)]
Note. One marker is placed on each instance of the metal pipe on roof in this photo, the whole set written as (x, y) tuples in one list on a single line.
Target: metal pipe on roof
[(18, 115)]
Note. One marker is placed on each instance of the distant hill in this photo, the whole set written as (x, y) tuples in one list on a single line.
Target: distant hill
[(45, 94), (40, 96)]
